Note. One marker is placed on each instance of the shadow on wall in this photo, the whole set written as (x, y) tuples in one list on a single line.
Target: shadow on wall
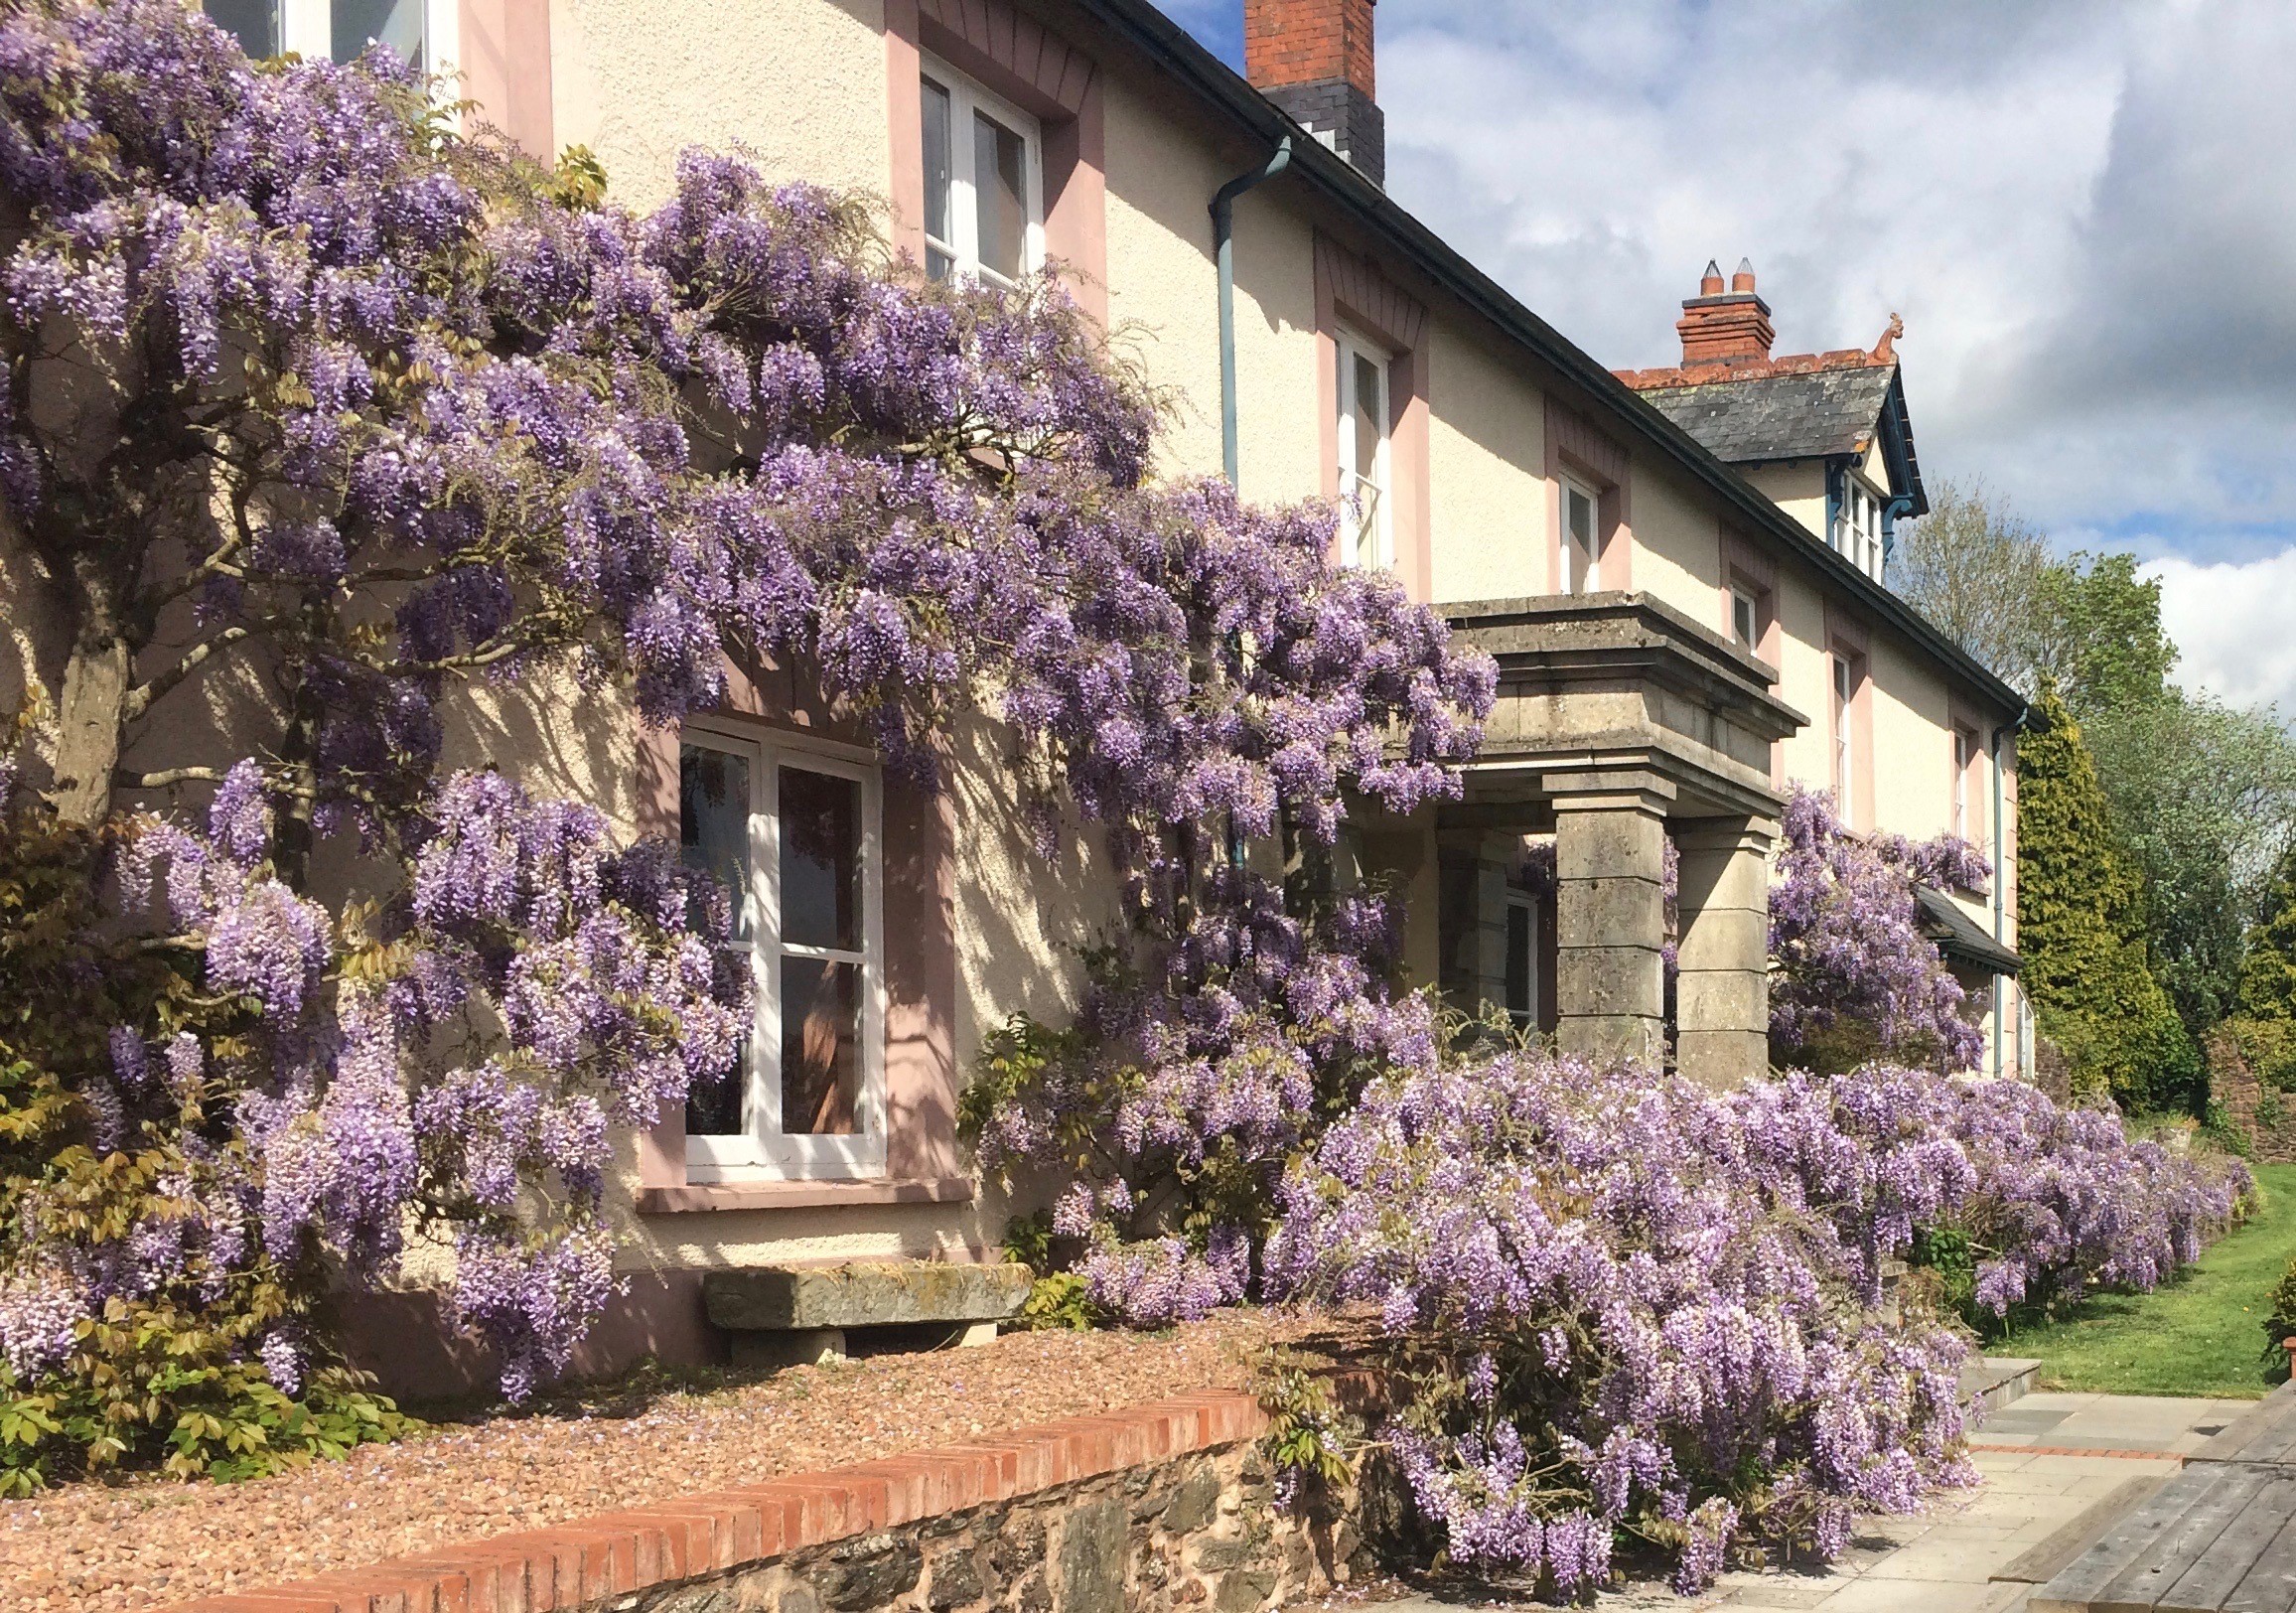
[(404, 1338)]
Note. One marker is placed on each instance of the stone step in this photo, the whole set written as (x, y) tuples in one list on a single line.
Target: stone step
[(784, 1315), (1992, 1382)]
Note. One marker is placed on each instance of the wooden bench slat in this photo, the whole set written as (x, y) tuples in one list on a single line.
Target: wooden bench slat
[(2273, 1411), (2078, 1588), (2269, 1585), (2208, 1577), (2220, 1498)]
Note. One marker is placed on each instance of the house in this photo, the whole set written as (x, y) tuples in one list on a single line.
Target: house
[(1827, 437), (1676, 643)]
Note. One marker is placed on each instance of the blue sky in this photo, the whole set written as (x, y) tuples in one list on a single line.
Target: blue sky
[(2086, 213)]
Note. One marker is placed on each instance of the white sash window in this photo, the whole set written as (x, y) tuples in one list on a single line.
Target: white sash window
[(796, 834), (984, 186), (1367, 516), (422, 32)]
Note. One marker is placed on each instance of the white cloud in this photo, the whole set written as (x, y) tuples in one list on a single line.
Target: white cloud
[(2080, 208), (2235, 624)]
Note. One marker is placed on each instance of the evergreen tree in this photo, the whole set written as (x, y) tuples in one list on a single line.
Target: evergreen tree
[(2268, 972), (2080, 928)]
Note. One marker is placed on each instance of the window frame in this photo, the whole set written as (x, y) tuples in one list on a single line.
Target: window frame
[(1352, 347), (968, 96), (1965, 754), (761, 1151), (1565, 485), (307, 28), (1523, 900), (1843, 704), (1743, 602)]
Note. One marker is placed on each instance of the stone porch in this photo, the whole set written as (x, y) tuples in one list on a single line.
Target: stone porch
[(1620, 723)]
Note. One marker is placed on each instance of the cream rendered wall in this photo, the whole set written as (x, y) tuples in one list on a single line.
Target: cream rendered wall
[(1798, 488), (1677, 543), (800, 87), (1163, 302), (1488, 493), (1913, 743)]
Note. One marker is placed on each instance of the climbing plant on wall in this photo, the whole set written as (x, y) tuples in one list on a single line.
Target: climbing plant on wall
[(318, 415)]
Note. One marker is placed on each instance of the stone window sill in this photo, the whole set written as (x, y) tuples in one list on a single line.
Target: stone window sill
[(701, 1196)]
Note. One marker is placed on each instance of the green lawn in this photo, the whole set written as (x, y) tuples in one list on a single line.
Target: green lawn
[(2201, 1334)]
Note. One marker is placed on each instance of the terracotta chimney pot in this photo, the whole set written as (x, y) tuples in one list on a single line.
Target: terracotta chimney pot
[(1731, 327)]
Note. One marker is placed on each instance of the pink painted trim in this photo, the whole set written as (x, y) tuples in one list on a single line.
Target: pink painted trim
[(1847, 637), (1351, 290), (1036, 70), (505, 67), (675, 1200), (617, 1553), (920, 833), (1745, 566), (1574, 446), (905, 128)]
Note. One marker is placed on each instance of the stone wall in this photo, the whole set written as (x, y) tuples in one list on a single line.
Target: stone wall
[(1154, 1509), (2266, 1118), (1200, 1531)]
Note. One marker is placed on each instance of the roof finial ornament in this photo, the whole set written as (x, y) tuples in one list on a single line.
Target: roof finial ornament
[(1885, 350)]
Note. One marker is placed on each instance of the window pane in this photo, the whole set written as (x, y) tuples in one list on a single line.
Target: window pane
[(713, 823), (820, 860), (936, 179), (713, 1108), (821, 1047), (1579, 515), (395, 23), (1000, 194), (1742, 620), (1369, 417), (253, 22), (1518, 961)]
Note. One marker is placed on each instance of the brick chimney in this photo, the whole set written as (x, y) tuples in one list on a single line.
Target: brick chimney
[(1313, 59), (1725, 327)]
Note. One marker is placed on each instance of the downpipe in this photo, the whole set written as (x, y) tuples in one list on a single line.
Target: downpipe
[(1223, 251)]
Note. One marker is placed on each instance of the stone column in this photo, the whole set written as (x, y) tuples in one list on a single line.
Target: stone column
[(1610, 835), (1722, 995)]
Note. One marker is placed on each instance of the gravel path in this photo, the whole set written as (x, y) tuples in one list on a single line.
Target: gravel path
[(98, 1547)]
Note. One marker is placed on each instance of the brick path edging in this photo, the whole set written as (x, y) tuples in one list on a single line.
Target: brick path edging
[(618, 1552)]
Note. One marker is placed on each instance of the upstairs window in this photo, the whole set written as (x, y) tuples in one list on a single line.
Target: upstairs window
[(1744, 621), (794, 835), (983, 182), (1367, 518), (1844, 755), (1964, 760), (1857, 526), (337, 29), (1582, 555)]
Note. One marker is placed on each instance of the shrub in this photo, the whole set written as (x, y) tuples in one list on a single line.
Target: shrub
[(1852, 976), (2079, 928), (1626, 1305)]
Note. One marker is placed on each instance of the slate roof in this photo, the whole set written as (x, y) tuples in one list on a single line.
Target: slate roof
[(1961, 938), (1796, 415)]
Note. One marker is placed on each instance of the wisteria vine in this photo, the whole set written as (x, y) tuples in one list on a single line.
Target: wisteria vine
[(1629, 1306), (315, 413)]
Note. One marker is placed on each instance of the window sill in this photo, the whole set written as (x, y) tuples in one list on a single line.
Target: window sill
[(701, 1196)]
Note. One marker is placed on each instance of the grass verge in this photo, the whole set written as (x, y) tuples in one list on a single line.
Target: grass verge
[(2201, 1334)]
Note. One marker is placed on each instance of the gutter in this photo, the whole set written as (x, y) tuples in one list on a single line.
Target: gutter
[(1168, 47)]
